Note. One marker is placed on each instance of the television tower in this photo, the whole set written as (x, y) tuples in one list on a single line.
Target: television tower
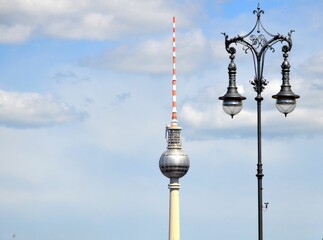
[(174, 162)]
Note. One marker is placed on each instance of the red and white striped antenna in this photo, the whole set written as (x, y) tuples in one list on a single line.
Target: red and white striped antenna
[(174, 110)]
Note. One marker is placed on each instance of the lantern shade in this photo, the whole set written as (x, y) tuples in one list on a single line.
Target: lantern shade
[(232, 101), (285, 106), (232, 107), (285, 100)]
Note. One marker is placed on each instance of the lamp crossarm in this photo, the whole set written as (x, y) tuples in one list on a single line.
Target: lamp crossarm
[(254, 45), (258, 46)]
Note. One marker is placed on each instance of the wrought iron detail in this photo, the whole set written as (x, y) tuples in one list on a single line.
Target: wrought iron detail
[(258, 86), (258, 41)]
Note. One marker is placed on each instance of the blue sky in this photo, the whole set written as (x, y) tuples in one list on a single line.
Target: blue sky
[(85, 94)]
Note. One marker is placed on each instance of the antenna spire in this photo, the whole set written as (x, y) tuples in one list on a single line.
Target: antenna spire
[(174, 110)]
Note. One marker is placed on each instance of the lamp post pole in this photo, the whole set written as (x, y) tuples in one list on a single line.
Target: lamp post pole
[(256, 43)]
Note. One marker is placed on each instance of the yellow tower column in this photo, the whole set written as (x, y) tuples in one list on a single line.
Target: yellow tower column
[(174, 228)]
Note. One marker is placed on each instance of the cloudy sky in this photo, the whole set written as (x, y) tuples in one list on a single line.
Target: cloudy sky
[(85, 94)]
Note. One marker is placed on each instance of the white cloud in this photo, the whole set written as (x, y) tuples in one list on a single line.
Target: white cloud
[(151, 56), (85, 19), (314, 65), (204, 117), (204, 123), (70, 76), (24, 110), (43, 7), (213, 117), (14, 34), (194, 51)]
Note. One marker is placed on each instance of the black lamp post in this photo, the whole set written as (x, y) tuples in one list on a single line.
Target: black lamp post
[(257, 44)]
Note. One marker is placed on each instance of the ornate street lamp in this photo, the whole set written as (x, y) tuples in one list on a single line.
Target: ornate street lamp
[(257, 44)]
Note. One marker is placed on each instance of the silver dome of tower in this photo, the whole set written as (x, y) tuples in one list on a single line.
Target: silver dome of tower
[(174, 162)]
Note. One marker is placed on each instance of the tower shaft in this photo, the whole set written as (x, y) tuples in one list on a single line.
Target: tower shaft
[(174, 226), (174, 162)]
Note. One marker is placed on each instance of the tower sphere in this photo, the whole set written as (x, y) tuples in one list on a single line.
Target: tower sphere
[(174, 163)]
